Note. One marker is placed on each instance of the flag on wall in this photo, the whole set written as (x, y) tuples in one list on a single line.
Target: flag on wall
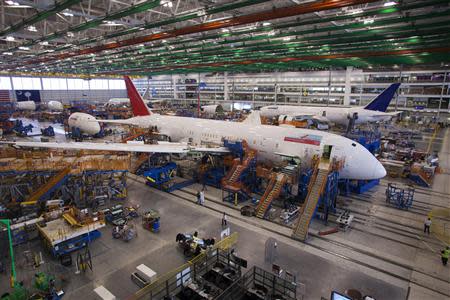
[(4, 96), (28, 95)]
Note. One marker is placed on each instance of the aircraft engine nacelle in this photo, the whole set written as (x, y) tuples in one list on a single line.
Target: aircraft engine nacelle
[(26, 105), (55, 106), (354, 116), (85, 122), (212, 110)]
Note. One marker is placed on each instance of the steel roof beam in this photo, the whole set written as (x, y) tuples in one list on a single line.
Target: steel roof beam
[(241, 20), (302, 23), (364, 54), (39, 16), (327, 30)]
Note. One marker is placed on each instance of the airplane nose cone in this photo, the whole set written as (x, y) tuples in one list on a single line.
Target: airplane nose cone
[(96, 127), (379, 171)]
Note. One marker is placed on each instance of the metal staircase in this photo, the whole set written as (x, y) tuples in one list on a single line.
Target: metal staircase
[(143, 157), (272, 192), (232, 180), (315, 190), (48, 186)]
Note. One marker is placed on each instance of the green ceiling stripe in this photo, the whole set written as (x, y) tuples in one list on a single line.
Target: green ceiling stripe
[(59, 6)]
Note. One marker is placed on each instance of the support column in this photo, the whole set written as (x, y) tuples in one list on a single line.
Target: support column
[(225, 86), (13, 90), (348, 86), (442, 95), (174, 86)]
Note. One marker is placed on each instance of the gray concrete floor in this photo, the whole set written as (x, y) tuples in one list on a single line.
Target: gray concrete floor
[(385, 246)]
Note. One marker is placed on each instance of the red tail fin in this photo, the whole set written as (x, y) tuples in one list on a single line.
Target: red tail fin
[(137, 104)]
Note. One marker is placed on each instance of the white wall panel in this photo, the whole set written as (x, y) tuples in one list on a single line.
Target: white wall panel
[(66, 96)]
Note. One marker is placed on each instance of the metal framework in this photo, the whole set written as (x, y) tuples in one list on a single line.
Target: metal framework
[(172, 36)]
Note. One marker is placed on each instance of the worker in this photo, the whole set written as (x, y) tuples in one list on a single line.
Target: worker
[(445, 254), (426, 226), (198, 197), (202, 198), (224, 220)]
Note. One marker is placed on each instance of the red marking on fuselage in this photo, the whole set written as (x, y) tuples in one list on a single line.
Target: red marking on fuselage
[(302, 141)]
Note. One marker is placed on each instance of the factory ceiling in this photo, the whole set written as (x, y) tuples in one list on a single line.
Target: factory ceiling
[(112, 37)]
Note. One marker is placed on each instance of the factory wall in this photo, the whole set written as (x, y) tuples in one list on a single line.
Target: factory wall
[(66, 96)]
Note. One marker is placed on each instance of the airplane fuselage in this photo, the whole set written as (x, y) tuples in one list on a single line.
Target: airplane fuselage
[(337, 115), (271, 142)]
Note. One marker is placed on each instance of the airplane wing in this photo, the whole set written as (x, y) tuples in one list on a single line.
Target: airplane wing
[(164, 147)]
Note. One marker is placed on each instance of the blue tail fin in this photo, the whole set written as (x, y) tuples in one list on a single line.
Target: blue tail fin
[(381, 102)]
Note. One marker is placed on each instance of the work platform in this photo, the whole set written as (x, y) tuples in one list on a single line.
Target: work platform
[(59, 230), (11, 161)]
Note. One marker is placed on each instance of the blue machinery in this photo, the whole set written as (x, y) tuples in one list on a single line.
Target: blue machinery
[(348, 186), (49, 131), (400, 198), (74, 244), (162, 178), (22, 130), (371, 140)]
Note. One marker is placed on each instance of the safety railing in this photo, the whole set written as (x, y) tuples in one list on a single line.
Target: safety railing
[(170, 282)]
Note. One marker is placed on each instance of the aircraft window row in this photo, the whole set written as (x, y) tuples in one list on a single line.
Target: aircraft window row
[(211, 135)]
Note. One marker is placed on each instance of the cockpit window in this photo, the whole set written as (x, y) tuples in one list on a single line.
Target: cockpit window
[(353, 144)]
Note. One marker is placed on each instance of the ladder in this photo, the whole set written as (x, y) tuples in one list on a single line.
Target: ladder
[(272, 192), (143, 157), (316, 187), (47, 186), (137, 133)]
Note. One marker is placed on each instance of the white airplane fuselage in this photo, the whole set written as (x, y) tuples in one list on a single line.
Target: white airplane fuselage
[(337, 115), (271, 142)]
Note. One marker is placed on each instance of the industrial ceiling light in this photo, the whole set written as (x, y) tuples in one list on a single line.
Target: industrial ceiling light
[(356, 11), (390, 3), (368, 21), (44, 43), (14, 4), (67, 13), (32, 28), (70, 34), (110, 23), (10, 38), (267, 24), (167, 3), (7, 53), (24, 48)]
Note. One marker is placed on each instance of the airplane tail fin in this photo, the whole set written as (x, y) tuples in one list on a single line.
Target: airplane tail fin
[(137, 104), (381, 102), (254, 118)]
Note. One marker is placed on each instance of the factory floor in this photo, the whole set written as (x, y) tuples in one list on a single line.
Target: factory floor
[(384, 254)]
